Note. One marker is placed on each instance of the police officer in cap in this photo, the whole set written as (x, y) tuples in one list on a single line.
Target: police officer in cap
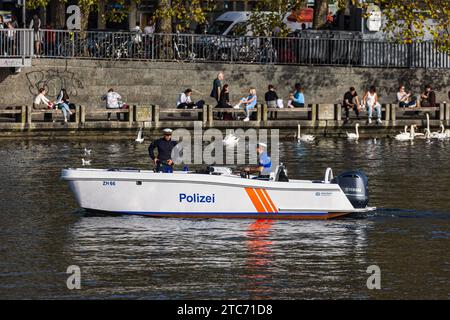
[(164, 146), (264, 163)]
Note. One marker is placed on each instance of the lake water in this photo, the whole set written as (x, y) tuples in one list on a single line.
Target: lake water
[(42, 231)]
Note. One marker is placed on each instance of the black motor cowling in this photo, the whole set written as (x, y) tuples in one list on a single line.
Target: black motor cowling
[(355, 185)]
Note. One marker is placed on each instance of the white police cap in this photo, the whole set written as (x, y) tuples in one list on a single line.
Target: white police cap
[(167, 131), (262, 145)]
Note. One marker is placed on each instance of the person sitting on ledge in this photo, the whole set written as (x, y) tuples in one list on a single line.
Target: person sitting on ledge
[(351, 101), (41, 102), (271, 98), (249, 102), (224, 102), (185, 101), (428, 98), (112, 102), (299, 98), (405, 99), (62, 102)]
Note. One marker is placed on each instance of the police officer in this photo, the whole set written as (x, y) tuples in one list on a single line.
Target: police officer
[(164, 146), (264, 163)]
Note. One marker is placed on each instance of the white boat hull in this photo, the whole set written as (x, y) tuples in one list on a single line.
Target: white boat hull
[(182, 194)]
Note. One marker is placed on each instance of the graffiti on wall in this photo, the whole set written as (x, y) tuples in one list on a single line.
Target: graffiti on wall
[(53, 81)]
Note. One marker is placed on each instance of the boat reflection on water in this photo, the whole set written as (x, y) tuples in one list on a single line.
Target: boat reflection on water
[(259, 262), (130, 256)]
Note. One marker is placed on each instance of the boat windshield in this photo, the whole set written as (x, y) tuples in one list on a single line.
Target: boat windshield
[(219, 27)]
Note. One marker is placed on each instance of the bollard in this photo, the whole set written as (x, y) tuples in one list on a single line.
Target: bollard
[(258, 113), (131, 114), (210, 116), (387, 113), (265, 112), (441, 112), (204, 114), (28, 116), (156, 114), (77, 114), (23, 114), (313, 116), (393, 113), (338, 112), (82, 114)]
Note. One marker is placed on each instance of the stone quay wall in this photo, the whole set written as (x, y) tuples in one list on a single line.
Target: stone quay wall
[(146, 82)]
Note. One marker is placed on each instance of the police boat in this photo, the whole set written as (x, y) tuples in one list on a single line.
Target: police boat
[(218, 193)]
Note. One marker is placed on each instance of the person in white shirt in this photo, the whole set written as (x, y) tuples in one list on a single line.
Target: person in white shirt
[(370, 100), (113, 101), (41, 101), (405, 99), (137, 37), (185, 101), (150, 28)]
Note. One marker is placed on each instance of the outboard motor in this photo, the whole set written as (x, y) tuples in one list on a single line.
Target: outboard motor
[(355, 185)]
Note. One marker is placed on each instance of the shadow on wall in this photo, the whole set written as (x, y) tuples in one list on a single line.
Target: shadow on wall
[(4, 73), (53, 80), (388, 81)]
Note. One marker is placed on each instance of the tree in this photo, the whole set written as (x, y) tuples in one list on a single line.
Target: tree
[(409, 20), (320, 14), (182, 13), (115, 13), (268, 16)]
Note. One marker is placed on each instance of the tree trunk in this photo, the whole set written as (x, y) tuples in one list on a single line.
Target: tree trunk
[(164, 25), (101, 21), (320, 14), (85, 11), (58, 17), (132, 12)]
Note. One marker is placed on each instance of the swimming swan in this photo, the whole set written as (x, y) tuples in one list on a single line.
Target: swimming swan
[(352, 135), (439, 134), (406, 136), (305, 137)]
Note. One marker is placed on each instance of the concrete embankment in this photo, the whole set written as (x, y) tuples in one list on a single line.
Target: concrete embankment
[(147, 82), (151, 89), (320, 119)]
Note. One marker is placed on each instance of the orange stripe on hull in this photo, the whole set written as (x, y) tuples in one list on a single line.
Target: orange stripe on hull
[(254, 198), (264, 201), (274, 208)]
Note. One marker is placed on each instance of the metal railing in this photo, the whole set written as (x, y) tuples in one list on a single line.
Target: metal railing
[(16, 43), (303, 50)]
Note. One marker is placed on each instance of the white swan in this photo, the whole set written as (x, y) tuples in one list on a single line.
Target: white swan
[(447, 133), (305, 137), (439, 134), (87, 151), (230, 140), (418, 134), (406, 136), (139, 138), (352, 135), (85, 162)]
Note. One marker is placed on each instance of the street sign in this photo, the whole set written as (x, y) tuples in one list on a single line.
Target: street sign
[(14, 62)]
